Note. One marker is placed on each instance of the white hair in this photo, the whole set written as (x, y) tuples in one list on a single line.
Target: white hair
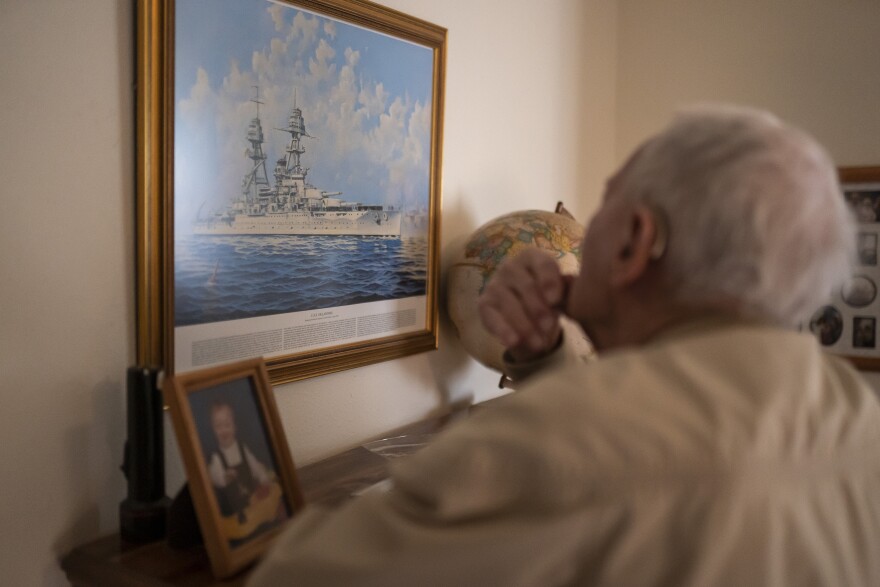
[(754, 208)]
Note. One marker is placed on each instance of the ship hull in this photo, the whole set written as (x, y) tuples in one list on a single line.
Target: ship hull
[(360, 223)]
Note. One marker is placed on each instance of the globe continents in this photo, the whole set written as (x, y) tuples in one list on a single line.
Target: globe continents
[(490, 245)]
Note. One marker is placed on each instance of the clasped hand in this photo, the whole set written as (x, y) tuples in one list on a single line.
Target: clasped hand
[(522, 303)]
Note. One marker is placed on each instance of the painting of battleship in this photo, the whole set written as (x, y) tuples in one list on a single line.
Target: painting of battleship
[(304, 181), (292, 205)]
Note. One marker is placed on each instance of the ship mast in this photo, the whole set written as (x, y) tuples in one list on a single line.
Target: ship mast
[(256, 182), (296, 126)]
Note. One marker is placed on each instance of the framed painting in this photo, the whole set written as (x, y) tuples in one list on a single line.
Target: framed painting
[(847, 325), (288, 174), (240, 472)]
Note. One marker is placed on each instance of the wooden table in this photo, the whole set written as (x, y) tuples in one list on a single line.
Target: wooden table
[(110, 562)]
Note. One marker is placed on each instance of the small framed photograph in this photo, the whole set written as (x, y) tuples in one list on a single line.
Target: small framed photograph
[(864, 332), (238, 464), (847, 324), (867, 248)]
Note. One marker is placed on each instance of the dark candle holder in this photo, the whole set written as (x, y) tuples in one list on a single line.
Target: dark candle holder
[(142, 515)]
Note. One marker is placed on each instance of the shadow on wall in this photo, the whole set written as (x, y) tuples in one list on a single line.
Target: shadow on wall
[(94, 455), (451, 359), (83, 521)]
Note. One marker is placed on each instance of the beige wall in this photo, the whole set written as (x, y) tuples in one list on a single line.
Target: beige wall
[(813, 62), (529, 120), (66, 275)]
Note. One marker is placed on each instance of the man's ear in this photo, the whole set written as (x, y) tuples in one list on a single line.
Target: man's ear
[(637, 246)]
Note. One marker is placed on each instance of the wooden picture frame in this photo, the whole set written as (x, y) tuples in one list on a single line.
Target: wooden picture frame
[(848, 324), (239, 257), (239, 468)]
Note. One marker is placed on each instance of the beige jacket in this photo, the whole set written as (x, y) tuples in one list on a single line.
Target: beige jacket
[(736, 455)]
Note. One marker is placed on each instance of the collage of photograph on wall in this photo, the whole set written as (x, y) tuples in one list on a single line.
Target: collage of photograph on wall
[(847, 325)]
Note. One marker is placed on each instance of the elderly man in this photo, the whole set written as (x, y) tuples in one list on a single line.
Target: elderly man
[(709, 444)]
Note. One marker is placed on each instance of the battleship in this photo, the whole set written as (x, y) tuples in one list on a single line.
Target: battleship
[(292, 205)]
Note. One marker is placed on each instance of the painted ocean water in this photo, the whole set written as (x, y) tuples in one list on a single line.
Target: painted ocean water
[(220, 278)]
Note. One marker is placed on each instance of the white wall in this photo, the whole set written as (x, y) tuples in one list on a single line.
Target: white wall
[(529, 121)]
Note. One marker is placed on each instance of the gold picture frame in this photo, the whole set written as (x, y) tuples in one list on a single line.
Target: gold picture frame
[(848, 324), (241, 475), (351, 323)]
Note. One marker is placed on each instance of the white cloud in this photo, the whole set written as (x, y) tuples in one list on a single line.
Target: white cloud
[(330, 29), (238, 82), (276, 11), (320, 66), (199, 94), (369, 144), (304, 30), (418, 134), (373, 99), (278, 47), (352, 57), (386, 140)]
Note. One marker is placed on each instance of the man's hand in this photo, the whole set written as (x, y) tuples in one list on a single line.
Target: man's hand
[(521, 304)]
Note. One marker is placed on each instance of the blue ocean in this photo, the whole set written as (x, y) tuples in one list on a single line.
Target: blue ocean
[(219, 278)]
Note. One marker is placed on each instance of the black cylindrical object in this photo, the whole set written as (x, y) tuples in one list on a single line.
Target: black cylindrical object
[(142, 515)]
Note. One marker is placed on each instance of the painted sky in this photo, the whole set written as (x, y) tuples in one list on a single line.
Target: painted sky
[(365, 97)]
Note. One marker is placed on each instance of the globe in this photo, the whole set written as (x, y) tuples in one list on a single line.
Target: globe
[(490, 245)]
